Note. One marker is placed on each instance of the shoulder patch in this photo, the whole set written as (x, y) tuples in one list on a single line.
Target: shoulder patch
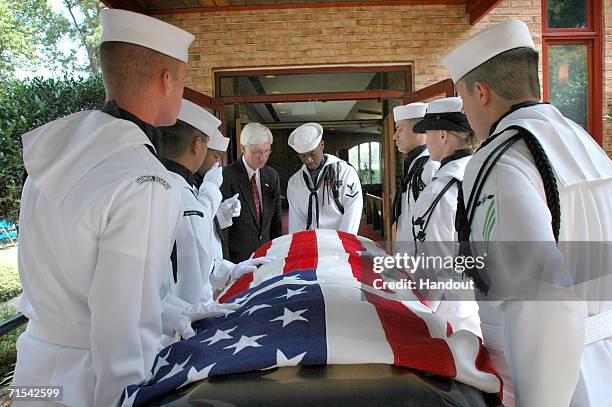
[(193, 213), (153, 178)]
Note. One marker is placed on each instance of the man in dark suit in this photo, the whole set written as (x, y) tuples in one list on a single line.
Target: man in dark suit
[(258, 188)]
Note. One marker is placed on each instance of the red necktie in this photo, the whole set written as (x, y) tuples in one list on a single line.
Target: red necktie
[(255, 193)]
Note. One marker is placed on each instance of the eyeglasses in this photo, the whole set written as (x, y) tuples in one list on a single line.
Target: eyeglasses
[(260, 153)]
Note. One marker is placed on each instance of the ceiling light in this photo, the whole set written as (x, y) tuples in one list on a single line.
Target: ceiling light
[(270, 76)]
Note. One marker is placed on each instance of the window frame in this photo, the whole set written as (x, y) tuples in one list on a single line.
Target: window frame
[(590, 36), (358, 147)]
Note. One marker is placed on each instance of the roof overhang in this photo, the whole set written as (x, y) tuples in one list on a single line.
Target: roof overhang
[(475, 8)]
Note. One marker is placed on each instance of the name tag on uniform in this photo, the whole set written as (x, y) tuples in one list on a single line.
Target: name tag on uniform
[(193, 213)]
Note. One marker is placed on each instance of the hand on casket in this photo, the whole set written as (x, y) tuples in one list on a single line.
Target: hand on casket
[(372, 250), (200, 311), (249, 266)]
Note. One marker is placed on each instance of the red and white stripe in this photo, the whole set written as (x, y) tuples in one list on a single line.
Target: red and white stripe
[(365, 325)]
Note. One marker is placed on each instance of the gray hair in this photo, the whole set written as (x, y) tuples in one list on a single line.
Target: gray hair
[(255, 133)]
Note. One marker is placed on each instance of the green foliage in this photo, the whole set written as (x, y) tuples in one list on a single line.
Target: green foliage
[(10, 286), (26, 105), (30, 32), (566, 13), (8, 351), (570, 94), (85, 28)]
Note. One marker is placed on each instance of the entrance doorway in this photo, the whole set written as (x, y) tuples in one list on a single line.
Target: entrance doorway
[(353, 103)]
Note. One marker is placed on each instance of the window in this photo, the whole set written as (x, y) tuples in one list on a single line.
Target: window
[(366, 160), (572, 66)]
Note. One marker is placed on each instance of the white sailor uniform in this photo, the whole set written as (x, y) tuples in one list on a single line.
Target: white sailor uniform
[(434, 234), (327, 202), (512, 206)]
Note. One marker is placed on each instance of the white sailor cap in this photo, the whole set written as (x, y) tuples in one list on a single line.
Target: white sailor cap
[(410, 111), (218, 142), (199, 118), (306, 137), (485, 45), (149, 32)]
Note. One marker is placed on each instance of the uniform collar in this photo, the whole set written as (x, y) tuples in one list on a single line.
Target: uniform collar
[(456, 155), (513, 109), (152, 132), (179, 169), (453, 168), (412, 155)]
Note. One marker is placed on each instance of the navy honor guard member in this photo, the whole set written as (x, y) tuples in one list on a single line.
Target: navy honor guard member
[(229, 208), (538, 177), (450, 141), (325, 193), (99, 214), (258, 189), (184, 147), (418, 167)]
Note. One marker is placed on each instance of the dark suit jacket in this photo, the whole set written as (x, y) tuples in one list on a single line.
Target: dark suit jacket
[(247, 232)]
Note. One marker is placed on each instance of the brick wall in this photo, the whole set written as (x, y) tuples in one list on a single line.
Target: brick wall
[(418, 34)]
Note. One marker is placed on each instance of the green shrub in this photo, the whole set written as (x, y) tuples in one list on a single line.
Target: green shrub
[(10, 286), (26, 105), (8, 351)]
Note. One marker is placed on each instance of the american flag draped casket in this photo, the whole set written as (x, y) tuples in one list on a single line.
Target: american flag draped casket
[(316, 304)]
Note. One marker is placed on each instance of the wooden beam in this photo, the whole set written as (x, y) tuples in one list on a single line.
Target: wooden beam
[(131, 5), (201, 99), (444, 87), (375, 3), (477, 9)]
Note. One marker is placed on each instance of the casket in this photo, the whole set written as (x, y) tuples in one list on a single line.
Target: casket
[(313, 328)]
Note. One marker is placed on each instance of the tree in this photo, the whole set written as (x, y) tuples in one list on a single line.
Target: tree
[(30, 32), (86, 30)]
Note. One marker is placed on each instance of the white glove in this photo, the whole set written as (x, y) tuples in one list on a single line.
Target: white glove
[(182, 326), (371, 249), (200, 311), (249, 266), (214, 175), (228, 209)]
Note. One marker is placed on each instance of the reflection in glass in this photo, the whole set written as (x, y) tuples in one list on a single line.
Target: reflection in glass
[(282, 112), (566, 13), (568, 80), (312, 83)]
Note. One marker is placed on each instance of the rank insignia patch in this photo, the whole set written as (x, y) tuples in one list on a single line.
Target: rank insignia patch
[(153, 178)]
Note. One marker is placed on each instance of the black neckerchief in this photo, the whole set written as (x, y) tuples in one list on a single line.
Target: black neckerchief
[(456, 156), (314, 195), (408, 160), (179, 169), (315, 173), (409, 174), (152, 132), (513, 109)]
